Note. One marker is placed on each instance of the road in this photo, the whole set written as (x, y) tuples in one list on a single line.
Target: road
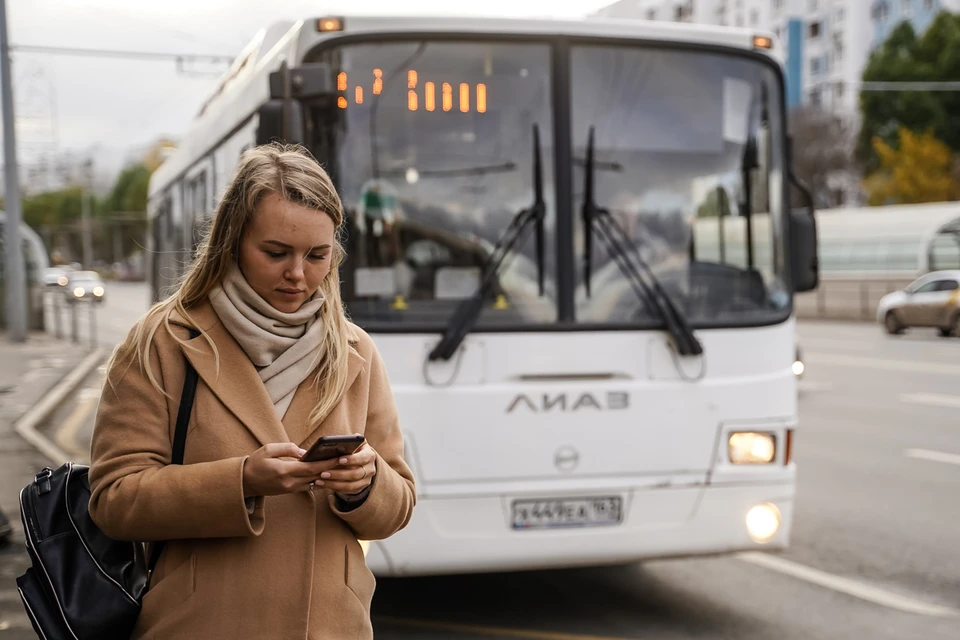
[(874, 548)]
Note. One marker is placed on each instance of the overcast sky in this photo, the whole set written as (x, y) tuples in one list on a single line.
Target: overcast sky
[(113, 108)]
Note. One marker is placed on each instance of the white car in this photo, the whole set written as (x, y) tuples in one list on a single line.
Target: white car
[(85, 285), (933, 300)]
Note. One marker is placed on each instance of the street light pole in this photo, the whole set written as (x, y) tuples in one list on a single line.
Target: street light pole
[(16, 286)]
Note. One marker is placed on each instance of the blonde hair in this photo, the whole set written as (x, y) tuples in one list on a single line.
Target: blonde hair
[(292, 173)]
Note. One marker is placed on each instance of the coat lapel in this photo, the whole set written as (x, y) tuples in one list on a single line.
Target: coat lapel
[(238, 386), (235, 382)]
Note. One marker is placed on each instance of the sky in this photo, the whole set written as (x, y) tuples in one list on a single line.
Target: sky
[(113, 109)]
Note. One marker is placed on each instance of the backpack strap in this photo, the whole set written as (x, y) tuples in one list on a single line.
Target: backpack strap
[(180, 434)]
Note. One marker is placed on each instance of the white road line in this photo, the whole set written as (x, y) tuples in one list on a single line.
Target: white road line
[(26, 426), (865, 362), (833, 343), (807, 386), (66, 434), (931, 399), (846, 585), (935, 456)]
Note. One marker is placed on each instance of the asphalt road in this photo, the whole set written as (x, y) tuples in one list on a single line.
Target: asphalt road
[(874, 552)]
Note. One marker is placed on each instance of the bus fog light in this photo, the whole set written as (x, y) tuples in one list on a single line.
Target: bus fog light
[(763, 522), (749, 447)]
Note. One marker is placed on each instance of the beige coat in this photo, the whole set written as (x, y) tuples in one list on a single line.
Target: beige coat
[(293, 570)]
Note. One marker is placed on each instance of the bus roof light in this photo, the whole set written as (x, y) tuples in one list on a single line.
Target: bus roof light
[(763, 42), (329, 24)]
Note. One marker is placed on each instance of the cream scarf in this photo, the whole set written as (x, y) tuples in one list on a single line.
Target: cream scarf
[(284, 347)]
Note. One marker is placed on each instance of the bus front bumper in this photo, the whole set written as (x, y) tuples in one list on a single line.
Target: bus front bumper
[(474, 534)]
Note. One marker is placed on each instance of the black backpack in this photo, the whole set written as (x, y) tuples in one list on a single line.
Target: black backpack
[(82, 585)]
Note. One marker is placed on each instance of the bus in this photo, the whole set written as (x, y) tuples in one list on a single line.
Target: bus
[(537, 221)]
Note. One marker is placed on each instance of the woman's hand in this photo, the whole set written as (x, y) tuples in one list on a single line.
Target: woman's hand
[(352, 474), (275, 469)]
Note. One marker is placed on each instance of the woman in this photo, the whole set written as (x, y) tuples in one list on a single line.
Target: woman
[(260, 545)]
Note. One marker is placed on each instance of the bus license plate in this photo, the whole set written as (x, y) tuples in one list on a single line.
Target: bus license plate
[(567, 512)]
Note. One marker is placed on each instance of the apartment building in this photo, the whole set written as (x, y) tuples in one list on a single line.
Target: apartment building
[(825, 43)]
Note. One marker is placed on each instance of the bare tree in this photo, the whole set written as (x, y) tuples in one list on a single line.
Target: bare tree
[(823, 153)]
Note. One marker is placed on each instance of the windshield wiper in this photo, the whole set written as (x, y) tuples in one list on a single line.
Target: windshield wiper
[(620, 247), (469, 310)]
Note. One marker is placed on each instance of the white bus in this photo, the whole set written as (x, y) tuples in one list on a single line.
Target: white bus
[(585, 376)]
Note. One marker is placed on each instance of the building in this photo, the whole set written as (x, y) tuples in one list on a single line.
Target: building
[(825, 44)]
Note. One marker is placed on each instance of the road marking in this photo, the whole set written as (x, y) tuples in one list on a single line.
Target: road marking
[(502, 632), (846, 585), (66, 435), (26, 426), (866, 362), (806, 386), (831, 343), (932, 399), (935, 456)]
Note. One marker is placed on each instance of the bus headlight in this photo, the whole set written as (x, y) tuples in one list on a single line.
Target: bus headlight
[(798, 368), (763, 522), (749, 447), (98, 291), (78, 292)]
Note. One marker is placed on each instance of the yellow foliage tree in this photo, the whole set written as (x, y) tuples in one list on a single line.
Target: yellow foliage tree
[(921, 170)]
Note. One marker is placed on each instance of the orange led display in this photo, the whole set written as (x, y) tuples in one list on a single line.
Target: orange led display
[(447, 96), (430, 96)]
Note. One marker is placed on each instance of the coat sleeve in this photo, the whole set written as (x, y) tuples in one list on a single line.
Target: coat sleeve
[(136, 494), (389, 505)]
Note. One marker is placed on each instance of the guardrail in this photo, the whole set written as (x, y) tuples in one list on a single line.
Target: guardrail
[(849, 297)]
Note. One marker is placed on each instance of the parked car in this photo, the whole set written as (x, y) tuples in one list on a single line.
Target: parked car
[(933, 300), (85, 285)]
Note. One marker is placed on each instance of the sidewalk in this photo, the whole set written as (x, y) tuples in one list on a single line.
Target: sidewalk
[(30, 372)]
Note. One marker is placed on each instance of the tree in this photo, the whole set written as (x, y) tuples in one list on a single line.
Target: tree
[(129, 193), (905, 57), (919, 170), (822, 152)]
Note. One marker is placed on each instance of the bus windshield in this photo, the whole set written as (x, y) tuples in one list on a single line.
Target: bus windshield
[(433, 158), (685, 143), (431, 147)]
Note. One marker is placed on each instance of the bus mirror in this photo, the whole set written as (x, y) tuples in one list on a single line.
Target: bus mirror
[(306, 82), (804, 255), (275, 125), (804, 259)]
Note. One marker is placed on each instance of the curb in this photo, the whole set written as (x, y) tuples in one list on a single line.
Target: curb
[(26, 426)]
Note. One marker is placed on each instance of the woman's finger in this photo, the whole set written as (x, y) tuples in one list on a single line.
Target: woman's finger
[(348, 474), (361, 458)]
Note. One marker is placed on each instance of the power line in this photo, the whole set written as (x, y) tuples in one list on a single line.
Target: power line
[(109, 53)]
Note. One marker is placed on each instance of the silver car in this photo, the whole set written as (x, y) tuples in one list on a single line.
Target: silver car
[(84, 285), (932, 300)]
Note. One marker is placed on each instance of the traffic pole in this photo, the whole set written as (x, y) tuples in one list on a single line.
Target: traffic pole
[(14, 274)]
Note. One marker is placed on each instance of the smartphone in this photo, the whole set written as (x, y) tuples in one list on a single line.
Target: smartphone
[(329, 447)]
